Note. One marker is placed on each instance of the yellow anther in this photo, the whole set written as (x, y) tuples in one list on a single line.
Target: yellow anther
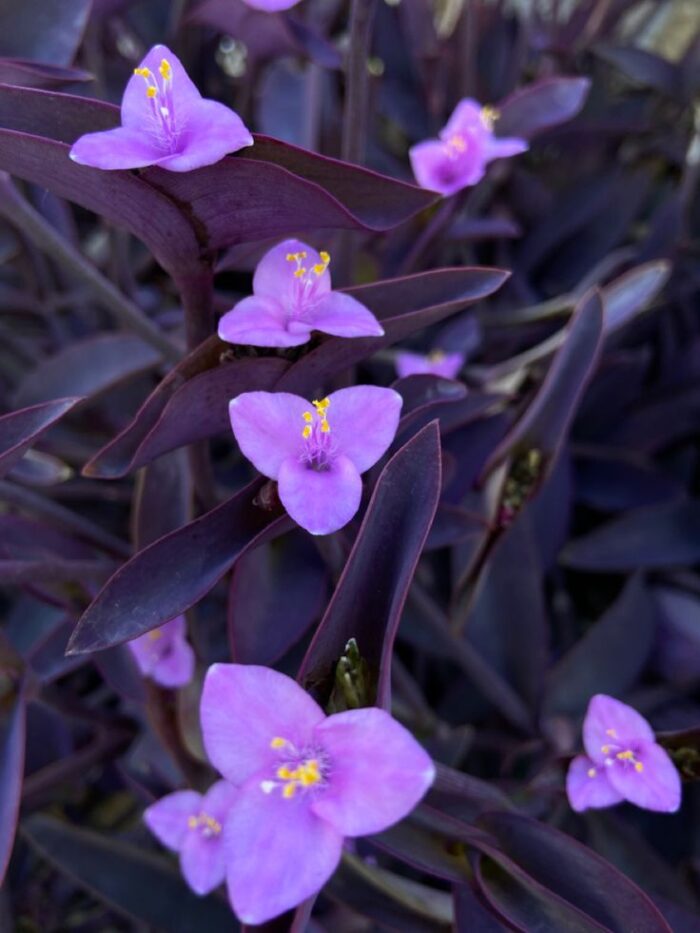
[(192, 822), (457, 143), (308, 417), (165, 70), (592, 772), (605, 749), (325, 427), (436, 356), (284, 773), (489, 115), (306, 433), (309, 773), (155, 634), (151, 91), (626, 755), (321, 406), (143, 72), (638, 766), (291, 257), (277, 742), (289, 791), (319, 268), (300, 272), (611, 733), (302, 254), (325, 257)]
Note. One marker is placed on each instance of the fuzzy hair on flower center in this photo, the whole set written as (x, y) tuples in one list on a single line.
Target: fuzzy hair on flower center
[(616, 753), (319, 447), (159, 92), (299, 771), (208, 826), (305, 280)]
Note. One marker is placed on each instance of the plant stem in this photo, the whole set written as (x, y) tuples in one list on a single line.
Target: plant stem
[(17, 211)]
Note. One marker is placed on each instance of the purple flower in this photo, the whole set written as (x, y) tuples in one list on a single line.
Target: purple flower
[(164, 655), (622, 762), (317, 450), (305, 780), (465, 147), (293, 296), (165, 122), (192, 825), (271, 6), (436, 363)]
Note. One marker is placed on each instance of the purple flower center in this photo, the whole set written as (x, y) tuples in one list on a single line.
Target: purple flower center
[(319, 447), (206, 825), (159, 91), (297, 771), (616, 754), (304, 294)]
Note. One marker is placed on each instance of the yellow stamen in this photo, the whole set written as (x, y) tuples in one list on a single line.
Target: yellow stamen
[(489, 115), (277, 742), (151, 92), (605, 749), (625, 756), (611, 733), (300, 272), (592, 772), (325, 257), (638, 766), (193, 822), (457, 143), (155, 634), (308, 417), (285, 774), (306, 433), (143, 72), (289, 790), (165, 70)]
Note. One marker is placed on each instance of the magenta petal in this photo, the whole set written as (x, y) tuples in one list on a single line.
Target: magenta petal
[(176, 667), (587, 785), (137, 111), (321, 501), (167, 819), (363, 422), (466, 117), (379, 772), (245, 707), (446, 365), (657, 786), (344, 316), (274, 275), (259, 322), (211, 132), (268, 427), (202, 862), (120, 148), (278, 853), (433, 169), (609, 722), (270, 6), (504, 148)]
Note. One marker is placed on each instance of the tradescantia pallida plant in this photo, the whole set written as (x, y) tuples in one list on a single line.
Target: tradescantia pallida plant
[(349, 463)]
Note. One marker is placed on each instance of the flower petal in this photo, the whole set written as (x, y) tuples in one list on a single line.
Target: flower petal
[(245, 707), (270, 6), (607, 722), (268, 428), (363, 422), (321, 501), (211, 132), (587, 785), (656, 787), (202, 861), (435, 169), (446, 365), (137, 109), (379, 772), (467, 116), (504, 148), (176, 667), (278, 853), (343, 316), (219, 799), (167, 818), (274, 276), (120, 148), (259, 322)]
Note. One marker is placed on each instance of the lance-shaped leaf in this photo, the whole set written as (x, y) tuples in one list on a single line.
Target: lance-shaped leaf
[(386, 551), (86, 368), (36, 74), (609, 657), (173, 573), (404, 306), (656, 536), (545, 423), (141, 886), (12, 744), (472, 914), (20, 429), (277, 591), (540, 106), (44, 30), (574, 873)]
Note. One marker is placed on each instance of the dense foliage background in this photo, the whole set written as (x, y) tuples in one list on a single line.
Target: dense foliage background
[(531, 539)]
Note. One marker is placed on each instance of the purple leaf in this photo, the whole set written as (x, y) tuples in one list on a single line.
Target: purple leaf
[(277, 591), (472, 914), (39, 75), (577, 875), (630, 294), (610, 656), (540, 106), (43, 30), (138, 885), (656, 536), (162, 499), (386, 550), (613, 483), (87, 367), (173, 573), (20, 429), (12, 742), (645, 68)]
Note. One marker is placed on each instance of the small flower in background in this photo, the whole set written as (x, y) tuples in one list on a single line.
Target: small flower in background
[(165, 122), (192, 825), (435, 363), (622, 762), (292, 296), (317, 450), (305, 781), (271, 6), (164, 655), (465, 147)]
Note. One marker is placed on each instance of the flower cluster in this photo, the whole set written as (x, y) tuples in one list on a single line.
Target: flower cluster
[(622, 762), (164, 655), (297, 783)]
